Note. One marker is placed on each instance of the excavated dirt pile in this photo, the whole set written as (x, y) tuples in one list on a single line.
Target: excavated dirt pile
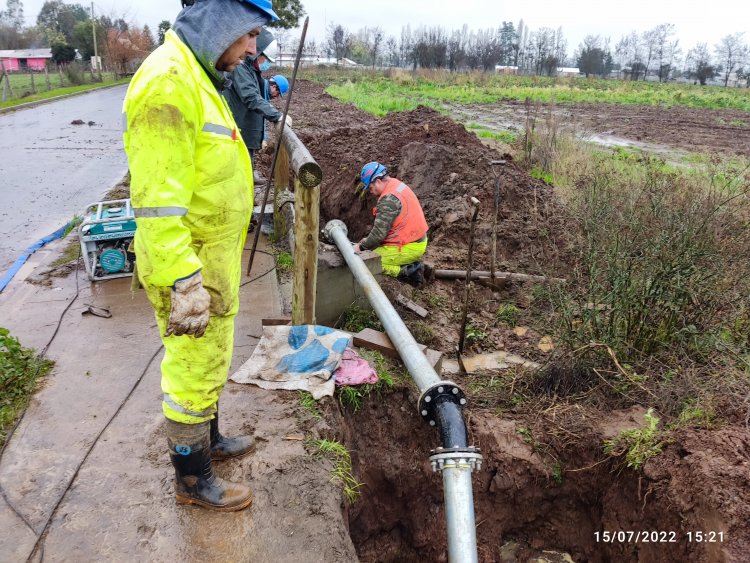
[(444, 164), (545, 483)]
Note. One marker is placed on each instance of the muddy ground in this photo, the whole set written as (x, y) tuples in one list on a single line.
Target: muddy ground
[(545, 483), (658, 129)]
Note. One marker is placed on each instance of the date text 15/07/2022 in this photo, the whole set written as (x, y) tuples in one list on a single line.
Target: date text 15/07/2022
[(654, 536)]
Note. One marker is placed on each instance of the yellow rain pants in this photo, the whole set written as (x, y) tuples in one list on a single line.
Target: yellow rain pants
[(192, 195), (394, 257)]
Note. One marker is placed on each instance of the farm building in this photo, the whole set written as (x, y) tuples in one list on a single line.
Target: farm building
[(503, 69), (25, 59)]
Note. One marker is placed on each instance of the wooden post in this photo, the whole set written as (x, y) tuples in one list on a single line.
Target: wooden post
[(5, 88), (46, 78), (306, 228), (307, 180), (4, 74), (33, 86), (281, 177)]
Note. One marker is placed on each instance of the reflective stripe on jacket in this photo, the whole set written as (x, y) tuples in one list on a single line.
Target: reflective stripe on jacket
[(191, 175), (410, 225)]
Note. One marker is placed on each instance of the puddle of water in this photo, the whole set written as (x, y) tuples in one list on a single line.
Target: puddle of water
[(512, 118)]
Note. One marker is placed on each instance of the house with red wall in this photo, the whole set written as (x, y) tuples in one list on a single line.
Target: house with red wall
[(24, 60)]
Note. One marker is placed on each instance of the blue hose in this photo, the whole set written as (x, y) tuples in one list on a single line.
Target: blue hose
[(6, 279)]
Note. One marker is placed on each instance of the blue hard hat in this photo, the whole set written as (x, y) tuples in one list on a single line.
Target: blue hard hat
[(282, 83), (264, 6), (371, 171)]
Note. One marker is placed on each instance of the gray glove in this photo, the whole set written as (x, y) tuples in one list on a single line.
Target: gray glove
[(190, 307)]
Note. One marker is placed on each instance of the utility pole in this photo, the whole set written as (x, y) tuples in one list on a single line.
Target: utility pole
[(96, 51)]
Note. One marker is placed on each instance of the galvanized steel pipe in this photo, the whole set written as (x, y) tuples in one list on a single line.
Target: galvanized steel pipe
[(443, 399)]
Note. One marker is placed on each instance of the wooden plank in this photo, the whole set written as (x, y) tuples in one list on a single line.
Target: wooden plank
[(409, 304), (306, 230), (275, 321), (374, 340)]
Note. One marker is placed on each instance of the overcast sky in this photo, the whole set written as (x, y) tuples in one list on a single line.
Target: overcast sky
[(694, 21)]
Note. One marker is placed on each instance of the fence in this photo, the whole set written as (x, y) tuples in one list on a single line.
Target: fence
[(19, 85), (301, 222)]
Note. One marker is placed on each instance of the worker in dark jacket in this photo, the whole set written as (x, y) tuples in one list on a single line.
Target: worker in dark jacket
[(249, 98), (399, 233)]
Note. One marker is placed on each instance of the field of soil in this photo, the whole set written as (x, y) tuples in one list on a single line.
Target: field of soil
[(545, 483)]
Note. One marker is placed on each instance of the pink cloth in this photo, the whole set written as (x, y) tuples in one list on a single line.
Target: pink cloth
[(354, 370)]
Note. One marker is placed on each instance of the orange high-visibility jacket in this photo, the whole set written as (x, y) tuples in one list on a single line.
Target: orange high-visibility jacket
[(410, 225)]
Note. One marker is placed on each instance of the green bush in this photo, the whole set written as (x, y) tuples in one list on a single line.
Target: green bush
[(658, 259)]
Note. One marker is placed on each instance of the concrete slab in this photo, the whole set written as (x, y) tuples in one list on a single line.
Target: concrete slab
[(120, 505), (337, 289)]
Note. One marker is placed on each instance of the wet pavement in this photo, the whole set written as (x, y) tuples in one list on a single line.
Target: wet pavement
[(50, 169), (120, 505)]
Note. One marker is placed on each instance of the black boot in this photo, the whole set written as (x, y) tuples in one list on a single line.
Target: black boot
[(195, 482), (223, 447), (413, 274)]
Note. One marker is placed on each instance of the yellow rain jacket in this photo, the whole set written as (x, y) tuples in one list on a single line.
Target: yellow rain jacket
[(192, 193)]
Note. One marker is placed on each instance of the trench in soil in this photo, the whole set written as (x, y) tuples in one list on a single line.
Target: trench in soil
[(400, 516)]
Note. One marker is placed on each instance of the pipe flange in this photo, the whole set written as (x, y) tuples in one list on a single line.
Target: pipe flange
[(332, 224), (456, 458), (446, 390)]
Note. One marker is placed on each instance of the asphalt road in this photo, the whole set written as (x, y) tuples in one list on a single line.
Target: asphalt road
[(50, 169)]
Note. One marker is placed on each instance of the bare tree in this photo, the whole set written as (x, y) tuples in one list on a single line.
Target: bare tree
[(629, 53), (457, 48), (391, 49), (699, 64), (405, 50), (339, 41), (376, 37), (732, 52), (590, 56)]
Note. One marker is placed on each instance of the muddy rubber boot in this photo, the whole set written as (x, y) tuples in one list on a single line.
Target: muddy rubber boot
[(223, 447), (195, 482), (429, 272), (413, 274)]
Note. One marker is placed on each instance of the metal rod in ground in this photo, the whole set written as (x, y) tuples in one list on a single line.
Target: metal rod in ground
[(496, 209), (279, 134), (462, 333)]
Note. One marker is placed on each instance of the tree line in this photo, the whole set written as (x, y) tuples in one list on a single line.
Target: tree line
[(655, 53), (67, 28)]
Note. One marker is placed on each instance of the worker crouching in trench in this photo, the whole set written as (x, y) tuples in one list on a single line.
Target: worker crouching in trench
[(399, 233)]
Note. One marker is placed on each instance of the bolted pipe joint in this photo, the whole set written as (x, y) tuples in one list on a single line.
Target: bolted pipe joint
[(334, 224), (456, 458)]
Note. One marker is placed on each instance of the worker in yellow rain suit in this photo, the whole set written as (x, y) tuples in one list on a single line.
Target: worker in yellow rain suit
[(192, 195)]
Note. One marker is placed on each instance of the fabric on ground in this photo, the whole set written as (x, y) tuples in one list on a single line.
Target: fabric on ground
[(295, 358), (354, 370), (394, 257)]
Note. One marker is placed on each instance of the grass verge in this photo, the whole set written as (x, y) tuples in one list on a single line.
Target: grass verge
[(61, 92), (20, 370)]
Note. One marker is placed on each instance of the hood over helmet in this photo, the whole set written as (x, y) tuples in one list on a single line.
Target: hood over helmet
[(264, 40), (209, 27)]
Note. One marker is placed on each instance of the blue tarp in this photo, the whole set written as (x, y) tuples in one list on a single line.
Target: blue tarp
[(6, 279)]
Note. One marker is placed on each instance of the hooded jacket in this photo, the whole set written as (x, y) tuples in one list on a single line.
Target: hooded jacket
[(229, 19), (191, 177), (249, 99)]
